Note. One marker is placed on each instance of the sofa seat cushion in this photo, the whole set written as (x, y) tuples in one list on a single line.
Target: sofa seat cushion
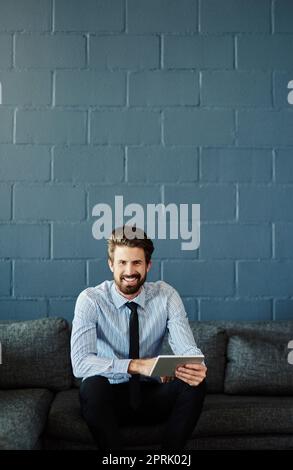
[(65, 420), (242, 442), (222, 415), (23, 415), (249, 415)]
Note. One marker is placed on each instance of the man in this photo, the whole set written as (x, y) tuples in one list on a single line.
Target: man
[(117, 332)]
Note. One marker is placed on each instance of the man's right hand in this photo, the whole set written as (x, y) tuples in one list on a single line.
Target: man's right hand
[(141, 366)]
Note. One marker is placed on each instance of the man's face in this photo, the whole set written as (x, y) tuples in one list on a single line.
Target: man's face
[(129, 268)]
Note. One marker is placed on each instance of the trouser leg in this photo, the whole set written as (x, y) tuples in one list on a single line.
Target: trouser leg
[(105, 408), (184, 415), (178, 405), (100, 410)]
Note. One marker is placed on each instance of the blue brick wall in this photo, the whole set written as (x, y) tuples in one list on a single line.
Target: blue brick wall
[(171, 101)]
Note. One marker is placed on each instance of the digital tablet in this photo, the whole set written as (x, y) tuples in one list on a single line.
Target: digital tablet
[(166, 365)]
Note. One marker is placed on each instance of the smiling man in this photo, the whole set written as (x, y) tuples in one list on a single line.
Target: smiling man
[(117, 332)]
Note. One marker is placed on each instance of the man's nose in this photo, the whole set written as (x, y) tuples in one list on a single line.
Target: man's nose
[(129, 270)]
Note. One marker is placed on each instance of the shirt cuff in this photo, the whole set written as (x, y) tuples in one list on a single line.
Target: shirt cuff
[(120, 366)]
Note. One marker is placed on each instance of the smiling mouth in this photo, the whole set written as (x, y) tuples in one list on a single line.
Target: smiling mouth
[(130, 279)]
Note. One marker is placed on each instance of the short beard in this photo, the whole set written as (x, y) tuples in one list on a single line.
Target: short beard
[(129, 290)]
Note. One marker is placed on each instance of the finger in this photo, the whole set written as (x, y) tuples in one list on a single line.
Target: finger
[(170, 378), (195, 366), (194, 372), (193, 382), (191, 371), (190, 381), (190, 377)]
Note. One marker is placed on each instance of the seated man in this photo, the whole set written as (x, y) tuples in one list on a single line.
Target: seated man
[(117, 332)]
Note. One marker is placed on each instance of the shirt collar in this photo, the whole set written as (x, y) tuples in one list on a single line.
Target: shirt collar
[(119, 300)]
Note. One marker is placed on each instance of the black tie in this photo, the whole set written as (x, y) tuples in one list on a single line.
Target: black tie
[(134, 354)]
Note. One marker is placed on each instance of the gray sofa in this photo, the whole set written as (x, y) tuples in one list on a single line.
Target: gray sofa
[(249, 404)]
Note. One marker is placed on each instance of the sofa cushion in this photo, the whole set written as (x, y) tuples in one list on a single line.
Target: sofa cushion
[(258, 364), (241, 327), (35, 353), (251, 415), (23, 415), (212, 340), (65, 420), (222, 415)]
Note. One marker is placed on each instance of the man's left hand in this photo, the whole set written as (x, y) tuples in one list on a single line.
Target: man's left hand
[(166, 379), (192, 374)]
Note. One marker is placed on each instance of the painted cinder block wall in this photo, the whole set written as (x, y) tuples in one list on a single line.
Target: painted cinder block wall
[(181, 101)]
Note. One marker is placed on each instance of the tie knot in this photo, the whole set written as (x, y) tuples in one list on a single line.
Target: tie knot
[(132, 306)]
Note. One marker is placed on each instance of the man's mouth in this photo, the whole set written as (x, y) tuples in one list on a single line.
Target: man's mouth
[(130, 279)]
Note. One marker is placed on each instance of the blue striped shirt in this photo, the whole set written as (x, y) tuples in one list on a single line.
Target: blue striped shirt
[(100, 328)]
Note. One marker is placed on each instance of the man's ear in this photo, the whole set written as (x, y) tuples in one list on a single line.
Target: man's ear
[(149, 266), (110, 264)]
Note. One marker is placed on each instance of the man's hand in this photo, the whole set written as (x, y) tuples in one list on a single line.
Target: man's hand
[(192, 374), (167, 379), (141, 366)]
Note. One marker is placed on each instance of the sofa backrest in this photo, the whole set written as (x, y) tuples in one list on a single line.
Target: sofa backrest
[(242, 357), (257, 358), (36, 353), (246, 357)]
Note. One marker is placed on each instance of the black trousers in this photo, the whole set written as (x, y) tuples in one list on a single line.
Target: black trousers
[(105, 408)]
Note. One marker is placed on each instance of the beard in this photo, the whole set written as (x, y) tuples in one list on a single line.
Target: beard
[(127, 287)]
